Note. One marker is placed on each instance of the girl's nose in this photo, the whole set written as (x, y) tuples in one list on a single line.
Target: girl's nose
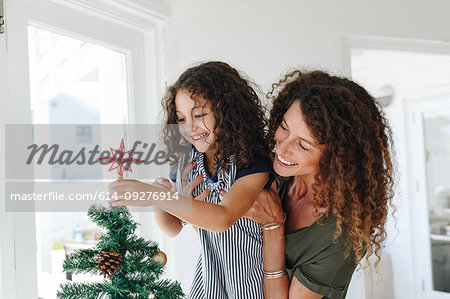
[(191, 124), (194, 126), (186, 128)]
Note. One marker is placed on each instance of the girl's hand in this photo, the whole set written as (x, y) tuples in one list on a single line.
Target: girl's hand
[(137, 193), (131, 193), (165, 183), (267, 208), (188, 188)]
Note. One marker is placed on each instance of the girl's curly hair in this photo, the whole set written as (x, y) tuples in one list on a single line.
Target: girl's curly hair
[(355, 180), (239, 114)]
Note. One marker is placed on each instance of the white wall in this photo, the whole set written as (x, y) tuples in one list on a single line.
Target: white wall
[(266, 38), (263, 38)]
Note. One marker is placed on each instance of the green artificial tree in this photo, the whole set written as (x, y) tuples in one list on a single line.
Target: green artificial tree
[(130, 264)]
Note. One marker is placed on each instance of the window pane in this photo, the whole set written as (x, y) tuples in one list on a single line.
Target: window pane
[(72, 81)]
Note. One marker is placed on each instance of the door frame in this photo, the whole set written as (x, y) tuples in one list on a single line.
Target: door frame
[(405, 181), (416, 106)]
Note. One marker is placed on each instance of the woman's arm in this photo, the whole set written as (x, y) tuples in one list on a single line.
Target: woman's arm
[(273, 260), (266, 210), (214, 217), (297, 290)]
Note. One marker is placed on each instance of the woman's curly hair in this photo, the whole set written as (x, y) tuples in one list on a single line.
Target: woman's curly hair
[(355, 180), (238, 112)]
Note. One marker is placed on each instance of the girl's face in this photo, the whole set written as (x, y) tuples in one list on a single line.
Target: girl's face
[(297, 151), (196, 121)]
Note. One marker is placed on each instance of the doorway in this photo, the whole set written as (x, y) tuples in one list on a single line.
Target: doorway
[(414, 89)]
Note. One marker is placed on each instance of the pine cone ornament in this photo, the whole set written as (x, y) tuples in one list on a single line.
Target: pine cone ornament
[(160, 258), (108, 262)]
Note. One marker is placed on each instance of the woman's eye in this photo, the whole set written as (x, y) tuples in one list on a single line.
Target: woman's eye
[(180, 120), (302, 147), (200, 115), (283, 127)]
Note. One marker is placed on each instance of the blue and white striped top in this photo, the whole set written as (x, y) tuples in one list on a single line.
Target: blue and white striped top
[(230, 262)]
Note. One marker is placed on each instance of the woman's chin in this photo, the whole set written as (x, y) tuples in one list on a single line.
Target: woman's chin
[(284, 170)]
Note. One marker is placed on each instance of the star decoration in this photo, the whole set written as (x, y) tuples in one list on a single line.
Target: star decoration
[(118, 160)]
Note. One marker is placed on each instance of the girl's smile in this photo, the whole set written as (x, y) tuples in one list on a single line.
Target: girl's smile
[(199, 137), (196, 121)]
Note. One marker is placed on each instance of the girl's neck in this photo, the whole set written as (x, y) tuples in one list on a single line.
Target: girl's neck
[(209, 162)]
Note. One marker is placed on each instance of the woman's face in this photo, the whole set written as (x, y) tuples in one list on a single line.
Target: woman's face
[(196, 121), (297, 151)]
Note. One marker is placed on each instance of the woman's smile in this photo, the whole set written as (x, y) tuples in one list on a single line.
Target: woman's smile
[(285, 162), (297, 151)]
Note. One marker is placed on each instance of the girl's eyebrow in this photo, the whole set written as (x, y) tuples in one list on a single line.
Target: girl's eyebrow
[(303, 139), (200, 106)]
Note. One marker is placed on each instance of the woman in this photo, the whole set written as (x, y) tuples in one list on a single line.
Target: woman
[(336, 180)]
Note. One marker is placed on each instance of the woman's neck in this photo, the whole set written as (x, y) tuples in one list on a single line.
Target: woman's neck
[(300, 188), (299, 206)]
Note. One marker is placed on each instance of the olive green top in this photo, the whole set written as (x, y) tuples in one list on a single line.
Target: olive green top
[(315, 260)]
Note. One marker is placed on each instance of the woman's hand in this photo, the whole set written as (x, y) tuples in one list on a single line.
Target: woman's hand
[(267, 207)]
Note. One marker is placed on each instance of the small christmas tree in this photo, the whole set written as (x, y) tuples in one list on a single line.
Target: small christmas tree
[(131, 265)]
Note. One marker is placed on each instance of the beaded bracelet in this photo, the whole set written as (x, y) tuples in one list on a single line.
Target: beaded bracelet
[(274, 275), (272, 226)]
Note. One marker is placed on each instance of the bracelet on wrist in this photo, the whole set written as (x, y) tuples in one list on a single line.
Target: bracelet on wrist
[(272, 226), (275, 274)]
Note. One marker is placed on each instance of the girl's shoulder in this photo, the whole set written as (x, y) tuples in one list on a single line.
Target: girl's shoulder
[(260, 164)]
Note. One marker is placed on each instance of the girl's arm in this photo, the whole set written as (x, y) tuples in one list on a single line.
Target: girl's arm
[(214, 217), (267, 209), (168, 223)]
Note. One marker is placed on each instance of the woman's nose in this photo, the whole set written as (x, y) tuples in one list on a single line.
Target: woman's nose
[(283, 146)]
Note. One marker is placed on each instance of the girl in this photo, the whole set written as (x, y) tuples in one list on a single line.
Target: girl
[(221, 116)]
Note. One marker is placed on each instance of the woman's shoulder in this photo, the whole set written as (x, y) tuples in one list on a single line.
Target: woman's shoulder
[(318, 261), (317, 241), (321, 230)]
